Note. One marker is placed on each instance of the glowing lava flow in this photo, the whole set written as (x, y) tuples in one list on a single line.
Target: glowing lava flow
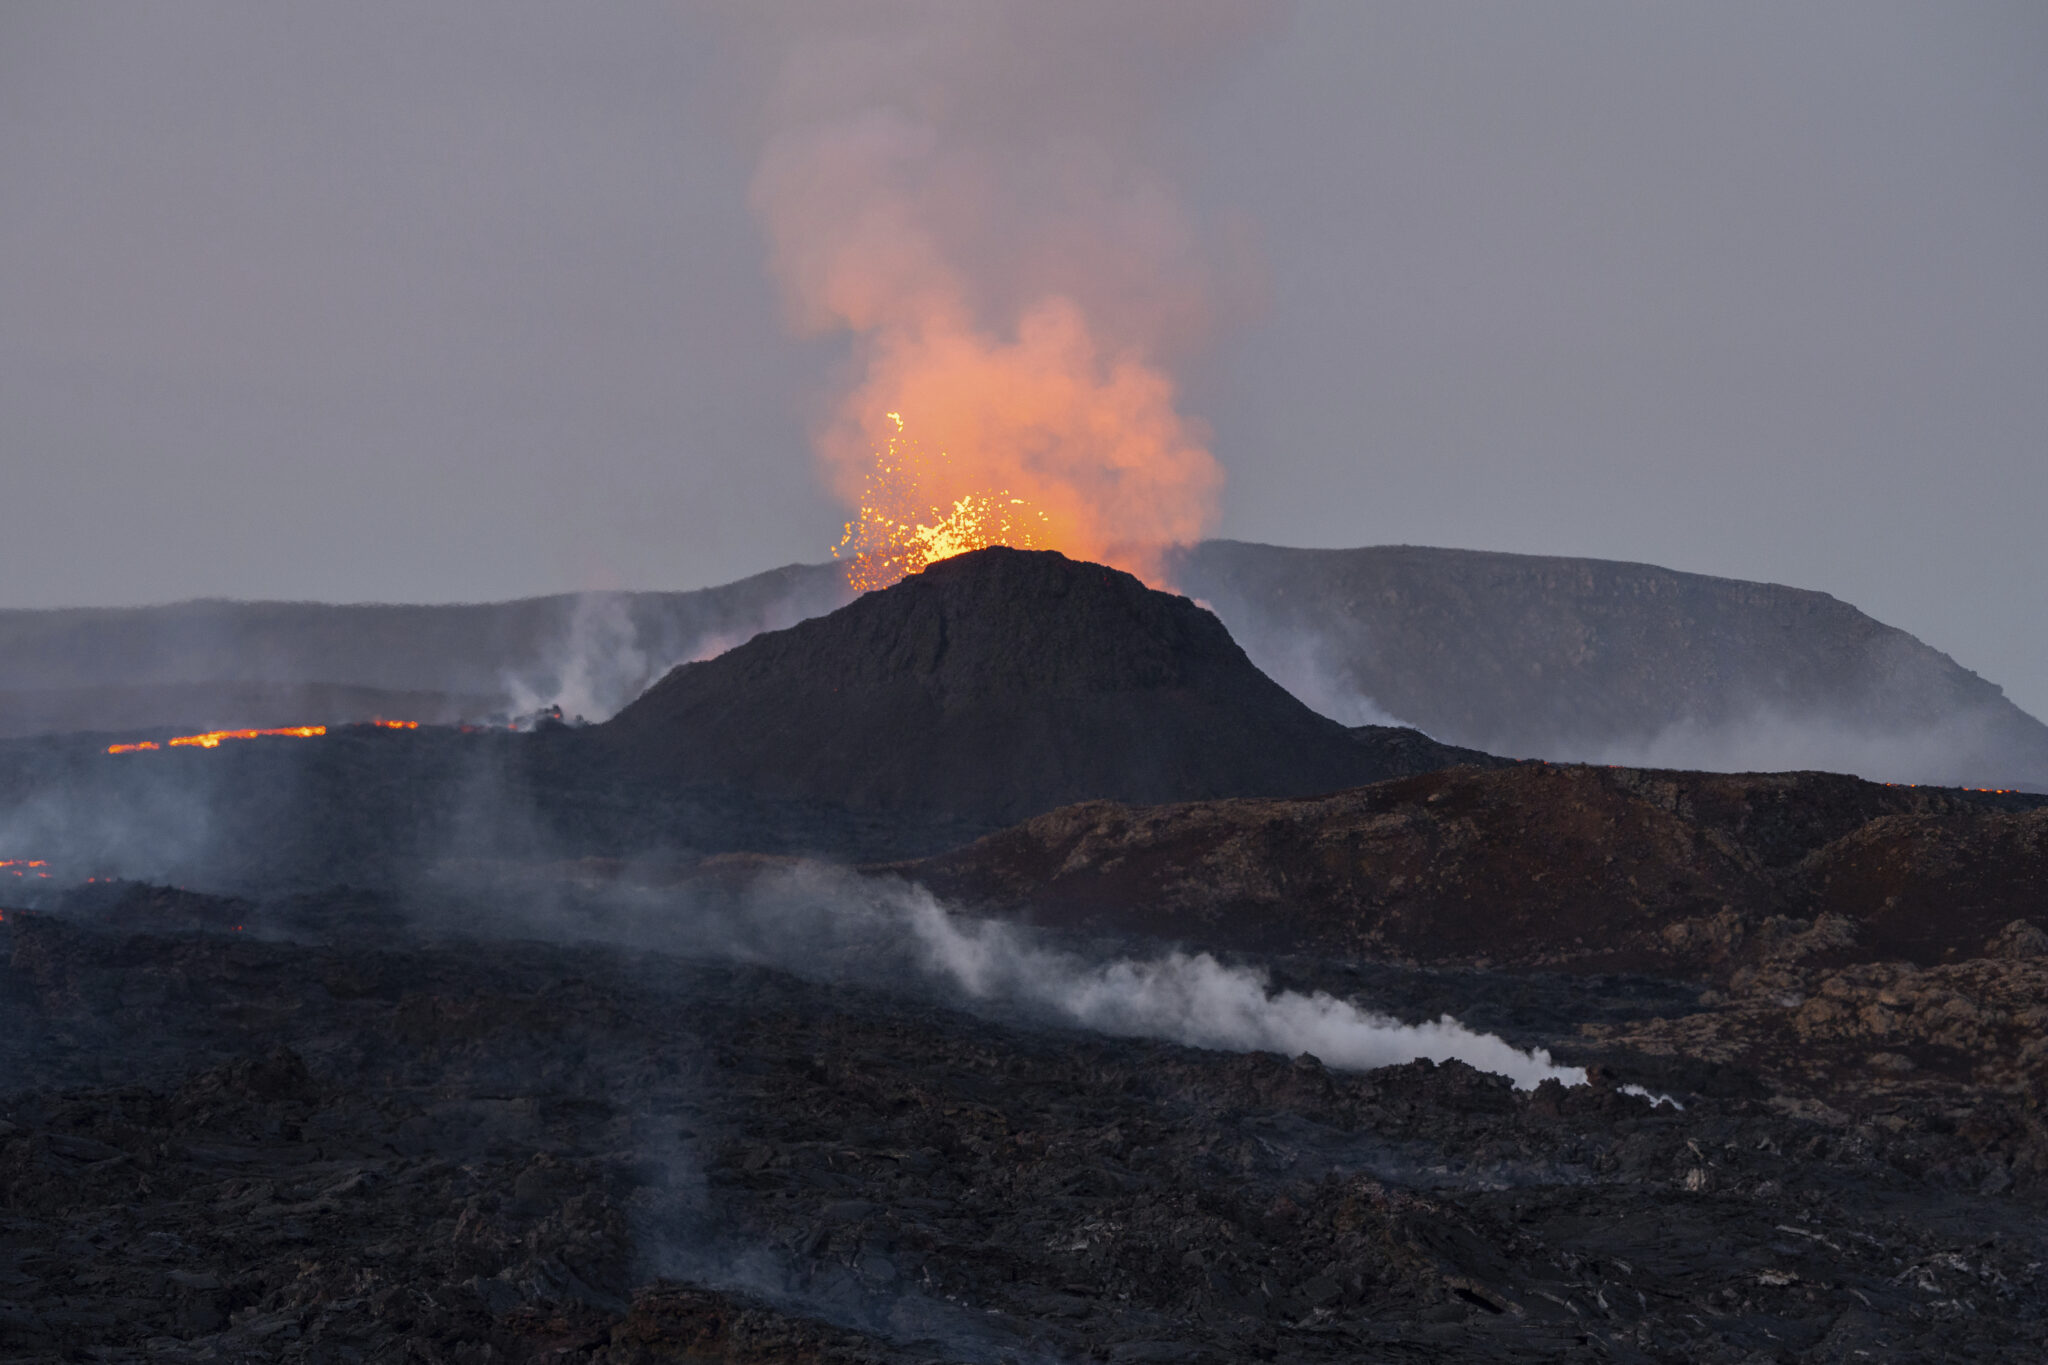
[(24, 867), (212, 738), (888, 538)]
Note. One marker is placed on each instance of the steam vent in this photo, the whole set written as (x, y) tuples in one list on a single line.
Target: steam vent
[(999, 684)]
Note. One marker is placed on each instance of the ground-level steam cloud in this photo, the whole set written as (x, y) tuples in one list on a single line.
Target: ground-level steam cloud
[(815, 919), (1197, 1000)]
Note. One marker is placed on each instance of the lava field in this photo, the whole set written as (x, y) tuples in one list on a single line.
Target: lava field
[(246, 1134), (424, 1045)]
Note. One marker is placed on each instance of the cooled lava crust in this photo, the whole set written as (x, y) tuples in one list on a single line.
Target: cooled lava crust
[(360, 1143)]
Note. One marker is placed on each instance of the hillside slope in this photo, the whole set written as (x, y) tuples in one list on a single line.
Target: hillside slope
[(997, 685), (1563, 658)]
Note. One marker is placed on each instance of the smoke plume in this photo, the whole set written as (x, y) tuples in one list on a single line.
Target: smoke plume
[(823, 921), (970, 191), (1196, 1000), (596, 667), (611, 646)]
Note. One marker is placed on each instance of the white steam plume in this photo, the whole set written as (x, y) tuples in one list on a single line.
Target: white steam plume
[(593, 670), (819, 920), (602, 659), (1196, 1000), (1306, 663)]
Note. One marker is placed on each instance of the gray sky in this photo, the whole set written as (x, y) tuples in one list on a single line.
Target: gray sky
[(427, 303)]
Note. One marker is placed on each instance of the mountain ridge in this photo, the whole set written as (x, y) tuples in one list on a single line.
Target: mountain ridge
[(1537, 656)]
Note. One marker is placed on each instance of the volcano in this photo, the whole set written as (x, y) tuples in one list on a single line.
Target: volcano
[(587, 1061), (996, 685)]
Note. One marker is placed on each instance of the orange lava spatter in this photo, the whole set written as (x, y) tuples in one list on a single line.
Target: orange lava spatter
[(901, 526)]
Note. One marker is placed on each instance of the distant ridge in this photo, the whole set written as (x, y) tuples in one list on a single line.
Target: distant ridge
[(112, 668), (1527, 655), (996, 685), (1565, 658)]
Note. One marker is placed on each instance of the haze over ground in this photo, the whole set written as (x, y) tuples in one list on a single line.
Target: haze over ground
[(373, 303)]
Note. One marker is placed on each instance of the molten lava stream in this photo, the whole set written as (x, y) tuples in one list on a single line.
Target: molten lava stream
[(212, 738)]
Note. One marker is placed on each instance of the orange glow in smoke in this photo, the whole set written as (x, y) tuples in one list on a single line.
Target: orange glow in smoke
[(960, 439)]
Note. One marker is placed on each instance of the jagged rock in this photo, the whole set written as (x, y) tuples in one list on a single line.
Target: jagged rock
[(1537, 865), (2020, 939)]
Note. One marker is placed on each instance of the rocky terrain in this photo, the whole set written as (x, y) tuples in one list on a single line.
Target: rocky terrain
[(1563, 658), (1537, 865), (326, 1130), (655, 1041)]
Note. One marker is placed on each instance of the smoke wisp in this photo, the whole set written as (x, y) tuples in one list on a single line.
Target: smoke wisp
[(1967, 748), (1305, 663), (607, 652), (595, 669)]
